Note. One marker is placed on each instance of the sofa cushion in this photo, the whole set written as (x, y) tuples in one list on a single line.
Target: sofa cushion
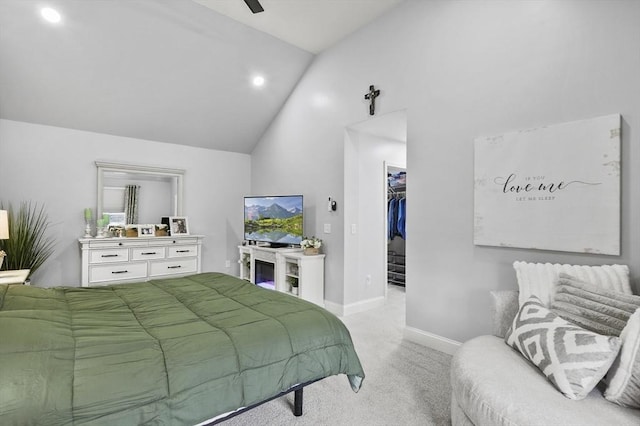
[(494, 385), (572, 358), (504, 307), (624, 375), (591, 307), (540, 279)]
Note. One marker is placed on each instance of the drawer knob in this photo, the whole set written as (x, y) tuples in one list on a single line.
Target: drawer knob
[(119, 244), (174, 267), (119, 272)]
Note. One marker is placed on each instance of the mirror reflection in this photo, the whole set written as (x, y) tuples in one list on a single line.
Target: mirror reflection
[(135, 194)]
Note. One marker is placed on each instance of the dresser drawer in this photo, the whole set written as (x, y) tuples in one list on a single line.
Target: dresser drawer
[(146, 253), (177, 266), (182, 251), (116, 243), (109, 255), (105, 273), (183, 240)]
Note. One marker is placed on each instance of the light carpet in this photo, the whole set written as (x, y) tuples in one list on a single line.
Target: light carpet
[(405, 383)]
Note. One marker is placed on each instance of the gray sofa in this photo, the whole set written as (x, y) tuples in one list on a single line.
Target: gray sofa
[(492, 384)]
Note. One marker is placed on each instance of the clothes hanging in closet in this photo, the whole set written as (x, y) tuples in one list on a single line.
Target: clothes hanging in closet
[(393, 218), (397, 217), (402, 214)]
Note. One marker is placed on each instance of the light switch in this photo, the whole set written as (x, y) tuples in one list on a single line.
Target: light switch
[(327, 228), (354, 228)]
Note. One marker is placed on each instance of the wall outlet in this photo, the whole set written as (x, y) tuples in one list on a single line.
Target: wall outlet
[(367, 280), (327, 228), (227, 264)]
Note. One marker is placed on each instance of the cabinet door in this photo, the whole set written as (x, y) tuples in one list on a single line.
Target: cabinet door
[(311, 277)]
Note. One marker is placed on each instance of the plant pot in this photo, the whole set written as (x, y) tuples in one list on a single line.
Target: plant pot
[(1, 260), (294, 290), (311, 251)]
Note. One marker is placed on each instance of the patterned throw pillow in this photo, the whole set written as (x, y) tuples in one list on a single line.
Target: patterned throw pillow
[(624, 376), (572, 358), (539, 279)]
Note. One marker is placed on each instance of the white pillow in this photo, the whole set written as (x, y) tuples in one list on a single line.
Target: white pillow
[(539, 279), (624, 375)]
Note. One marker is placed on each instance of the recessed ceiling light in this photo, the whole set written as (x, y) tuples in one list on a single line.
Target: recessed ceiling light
[(258, 81), (50, 15)]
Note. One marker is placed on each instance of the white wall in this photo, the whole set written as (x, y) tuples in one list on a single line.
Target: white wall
[(55, 167), (462, 69)]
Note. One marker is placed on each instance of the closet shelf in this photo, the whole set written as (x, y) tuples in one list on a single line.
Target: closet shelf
[(396, 268)]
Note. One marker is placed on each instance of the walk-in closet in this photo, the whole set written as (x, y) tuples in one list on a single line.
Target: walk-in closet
[(396, 224)]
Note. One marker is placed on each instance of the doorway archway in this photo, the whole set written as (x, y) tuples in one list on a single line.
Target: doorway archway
[(369, 145)]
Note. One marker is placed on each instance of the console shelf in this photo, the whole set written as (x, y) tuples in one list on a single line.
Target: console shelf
[(290, 266)]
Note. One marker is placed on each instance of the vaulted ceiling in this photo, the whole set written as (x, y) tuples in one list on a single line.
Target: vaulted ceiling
[(171, 71)]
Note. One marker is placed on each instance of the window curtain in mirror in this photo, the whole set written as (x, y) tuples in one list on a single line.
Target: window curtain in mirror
[(131, 193)]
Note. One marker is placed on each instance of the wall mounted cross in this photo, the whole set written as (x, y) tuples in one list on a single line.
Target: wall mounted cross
[(371, 96)]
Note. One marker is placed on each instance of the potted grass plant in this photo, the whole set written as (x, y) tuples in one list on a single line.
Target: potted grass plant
[(293, 284), (28, 246)]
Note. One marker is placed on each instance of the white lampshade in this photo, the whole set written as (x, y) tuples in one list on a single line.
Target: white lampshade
[(4, 225)]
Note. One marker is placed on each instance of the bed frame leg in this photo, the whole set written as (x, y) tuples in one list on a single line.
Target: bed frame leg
[(297, 402)]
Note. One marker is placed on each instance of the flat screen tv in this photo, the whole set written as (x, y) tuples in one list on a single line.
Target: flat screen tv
[(276, 220)]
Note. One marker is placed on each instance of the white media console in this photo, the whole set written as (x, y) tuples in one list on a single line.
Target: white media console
[(280, 268)]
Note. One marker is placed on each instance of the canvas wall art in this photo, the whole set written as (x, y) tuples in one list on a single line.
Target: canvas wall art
[(550, 188)]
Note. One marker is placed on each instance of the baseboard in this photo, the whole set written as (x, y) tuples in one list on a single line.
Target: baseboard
[(431, 340), (335, 308), (354, 308)]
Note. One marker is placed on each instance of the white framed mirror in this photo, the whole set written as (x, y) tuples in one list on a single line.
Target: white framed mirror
[(159, 190)]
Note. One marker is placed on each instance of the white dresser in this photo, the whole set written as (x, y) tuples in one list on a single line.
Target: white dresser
[(108, 261)]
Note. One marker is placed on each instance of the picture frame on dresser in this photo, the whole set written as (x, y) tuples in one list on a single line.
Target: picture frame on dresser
[(146, 230), (116, 218), (179, 225)]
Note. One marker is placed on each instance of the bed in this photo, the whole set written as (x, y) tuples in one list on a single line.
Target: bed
[(179, 351)]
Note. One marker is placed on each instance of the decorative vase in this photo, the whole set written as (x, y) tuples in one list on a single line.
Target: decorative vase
[(309, 251), (294, 290), (87, 231), (100, 232)]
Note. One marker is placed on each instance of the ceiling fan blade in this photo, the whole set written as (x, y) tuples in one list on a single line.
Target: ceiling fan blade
[(254, 5)]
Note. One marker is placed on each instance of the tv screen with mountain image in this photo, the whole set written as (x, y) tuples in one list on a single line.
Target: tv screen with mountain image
[(276, 219)]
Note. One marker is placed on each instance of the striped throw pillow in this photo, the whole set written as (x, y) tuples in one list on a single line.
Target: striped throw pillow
[(589, 306)]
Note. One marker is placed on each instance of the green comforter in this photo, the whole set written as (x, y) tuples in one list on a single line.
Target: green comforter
[(166, 352)]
